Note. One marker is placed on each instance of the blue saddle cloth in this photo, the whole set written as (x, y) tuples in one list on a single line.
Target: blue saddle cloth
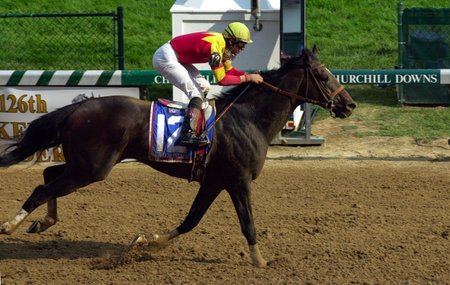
[(166, 118)]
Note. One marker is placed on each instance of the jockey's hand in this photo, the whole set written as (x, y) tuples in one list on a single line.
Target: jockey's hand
[(254, 78)]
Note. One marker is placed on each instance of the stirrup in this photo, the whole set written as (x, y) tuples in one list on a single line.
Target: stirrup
[(191, 140)]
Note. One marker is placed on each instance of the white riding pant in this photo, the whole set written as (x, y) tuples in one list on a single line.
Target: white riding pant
[(186, 77)]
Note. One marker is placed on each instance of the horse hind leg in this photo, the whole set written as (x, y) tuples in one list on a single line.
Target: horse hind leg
[(50, 219), (41, 225), (41, 194), (10, 226), (36, 227), (85, 167), (63, 185), (50, 174)]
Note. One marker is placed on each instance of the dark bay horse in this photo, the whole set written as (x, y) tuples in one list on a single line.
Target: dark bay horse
[(98, 133)]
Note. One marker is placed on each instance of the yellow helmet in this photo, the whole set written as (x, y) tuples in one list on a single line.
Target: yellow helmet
[(237, 32)]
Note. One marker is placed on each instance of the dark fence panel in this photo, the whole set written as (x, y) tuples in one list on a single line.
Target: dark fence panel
[(424, 37), (62, 41)]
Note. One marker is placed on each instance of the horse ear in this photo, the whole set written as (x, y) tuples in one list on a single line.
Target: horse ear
[(315, 50), (304, 53)]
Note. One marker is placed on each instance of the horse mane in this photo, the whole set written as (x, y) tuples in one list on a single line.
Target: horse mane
[(273, 75)]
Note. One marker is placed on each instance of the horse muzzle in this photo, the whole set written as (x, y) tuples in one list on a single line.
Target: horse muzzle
[(343, 106)]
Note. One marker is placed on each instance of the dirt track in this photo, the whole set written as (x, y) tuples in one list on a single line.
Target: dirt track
[(338, 214)]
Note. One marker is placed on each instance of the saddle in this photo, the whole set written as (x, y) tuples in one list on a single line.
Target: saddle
[(166, 118)]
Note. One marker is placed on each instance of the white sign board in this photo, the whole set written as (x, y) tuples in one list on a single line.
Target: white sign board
[(21, 105)]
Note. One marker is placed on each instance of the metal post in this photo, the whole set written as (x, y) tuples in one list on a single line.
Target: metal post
[(281, 30), (307, 112), (303, 21), (401, 42), (400, 47), (120, 45), (306, 107)]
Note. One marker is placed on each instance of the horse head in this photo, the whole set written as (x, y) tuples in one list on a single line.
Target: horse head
[(305, 79)]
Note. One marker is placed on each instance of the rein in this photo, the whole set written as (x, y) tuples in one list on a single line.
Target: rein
[(224, 111), (330, 96), (293, 95)]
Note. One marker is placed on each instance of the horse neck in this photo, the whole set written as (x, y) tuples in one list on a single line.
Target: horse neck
[(266, 110), (278, 109)]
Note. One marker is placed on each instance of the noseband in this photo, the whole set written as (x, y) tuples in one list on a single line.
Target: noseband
[(327, 94)]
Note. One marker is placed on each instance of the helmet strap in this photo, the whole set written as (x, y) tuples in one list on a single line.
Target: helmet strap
[(231, 33)]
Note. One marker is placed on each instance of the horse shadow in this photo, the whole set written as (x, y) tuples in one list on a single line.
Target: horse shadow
[(19, 249), (103, 255)]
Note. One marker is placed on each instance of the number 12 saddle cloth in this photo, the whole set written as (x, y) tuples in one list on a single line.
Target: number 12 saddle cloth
[(166, 118)]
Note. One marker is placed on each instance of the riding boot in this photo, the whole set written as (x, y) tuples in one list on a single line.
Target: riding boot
[(189, 135)]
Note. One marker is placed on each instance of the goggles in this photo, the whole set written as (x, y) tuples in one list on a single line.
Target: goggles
[(240, 45)]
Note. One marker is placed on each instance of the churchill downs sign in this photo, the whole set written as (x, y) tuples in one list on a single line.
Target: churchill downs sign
[(396, 76)]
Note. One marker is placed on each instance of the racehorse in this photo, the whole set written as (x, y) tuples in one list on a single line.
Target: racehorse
[(98, 133)]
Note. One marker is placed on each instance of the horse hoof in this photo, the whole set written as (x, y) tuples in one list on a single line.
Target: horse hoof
[(34, 228), (164, 238), (6, 229), (260, 264), (37, 227), (160, 239), (137, 239), (158, 242)]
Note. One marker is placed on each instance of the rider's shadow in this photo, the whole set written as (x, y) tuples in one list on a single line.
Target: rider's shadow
[(15, 248)]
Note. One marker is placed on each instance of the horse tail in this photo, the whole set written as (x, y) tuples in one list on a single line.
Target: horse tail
[(41, 134)]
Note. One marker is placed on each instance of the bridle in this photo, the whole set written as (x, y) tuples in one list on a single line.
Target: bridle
[(329, 95), (309, 71)]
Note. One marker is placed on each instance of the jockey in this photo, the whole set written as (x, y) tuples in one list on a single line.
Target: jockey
[(174, 60)]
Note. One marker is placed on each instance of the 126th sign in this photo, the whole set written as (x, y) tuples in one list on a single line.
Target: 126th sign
[(22, 104)]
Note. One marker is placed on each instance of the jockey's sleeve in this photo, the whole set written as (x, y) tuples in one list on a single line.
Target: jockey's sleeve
[(225, 74), (235, 71), (231, 70)]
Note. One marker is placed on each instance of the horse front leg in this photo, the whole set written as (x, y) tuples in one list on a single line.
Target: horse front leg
[(240, 195), (202, 202)]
